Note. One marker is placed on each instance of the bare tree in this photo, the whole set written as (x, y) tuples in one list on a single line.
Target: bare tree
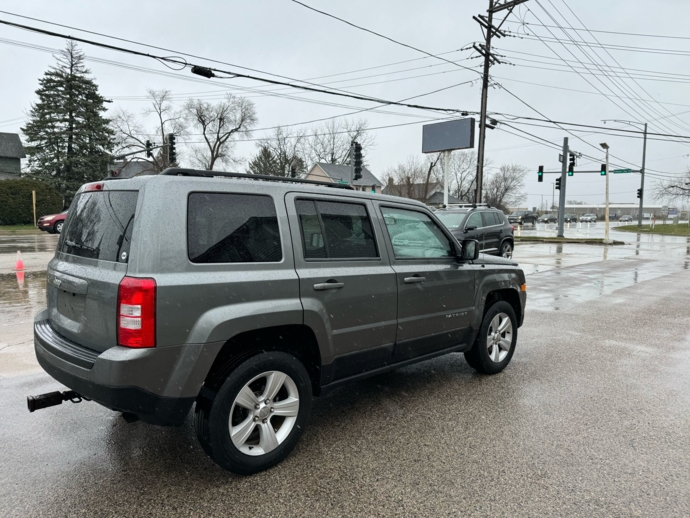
[(289, 149), (330, 142), (131, 134), (413, 178), (504, 188), (674, 189), (219, 125)]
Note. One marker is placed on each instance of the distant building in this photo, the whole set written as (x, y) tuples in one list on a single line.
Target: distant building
[(11, 154), (335, 173), (615, 209), (130, 169), (415, 191)]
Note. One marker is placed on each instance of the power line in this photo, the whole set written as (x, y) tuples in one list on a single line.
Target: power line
[(380, 35), (233, 74), (610, 46), (573, 89), (636, 34)]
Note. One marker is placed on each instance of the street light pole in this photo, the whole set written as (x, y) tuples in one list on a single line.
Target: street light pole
[(607, 240)]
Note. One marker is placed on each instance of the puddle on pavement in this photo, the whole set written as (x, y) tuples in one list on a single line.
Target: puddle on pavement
[(42, 242), (22, 295)]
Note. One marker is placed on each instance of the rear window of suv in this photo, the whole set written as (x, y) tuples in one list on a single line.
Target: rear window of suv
[(100, 225), (232, 228)]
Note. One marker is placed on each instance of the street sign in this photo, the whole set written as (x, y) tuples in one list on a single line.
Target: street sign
[(618, 171)]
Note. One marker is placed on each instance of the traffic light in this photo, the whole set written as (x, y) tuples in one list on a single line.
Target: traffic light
[(571, 164), (149, 147), (172, 155), (558, 184), (603, 169), (540, 174), (293, 172), (639, 193), (358, 160)]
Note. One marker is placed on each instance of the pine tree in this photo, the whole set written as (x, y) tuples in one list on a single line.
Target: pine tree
[(69, 139), (264, 163)]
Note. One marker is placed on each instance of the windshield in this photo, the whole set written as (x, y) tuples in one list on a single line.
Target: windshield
[(452, 220), (99, 225)]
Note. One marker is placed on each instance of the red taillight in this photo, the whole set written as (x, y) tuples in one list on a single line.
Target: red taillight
[(136, 312), (93, 187), (512, 229)]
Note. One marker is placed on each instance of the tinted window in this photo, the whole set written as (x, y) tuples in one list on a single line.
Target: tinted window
[(232, 228), (415, 235), (489, 219), (475, 220), (335, 230), (100, 225)]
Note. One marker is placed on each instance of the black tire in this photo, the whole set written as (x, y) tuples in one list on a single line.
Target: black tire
[(58, 227), (506, 247), (223, 450), (478, 357)]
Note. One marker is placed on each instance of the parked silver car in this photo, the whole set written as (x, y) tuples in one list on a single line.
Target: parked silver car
[(254, 295)]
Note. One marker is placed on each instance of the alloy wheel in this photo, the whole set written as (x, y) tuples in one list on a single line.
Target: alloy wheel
[(499, 337), (264, 413), (507, 251)]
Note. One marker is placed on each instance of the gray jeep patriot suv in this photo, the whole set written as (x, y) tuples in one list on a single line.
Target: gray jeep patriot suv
[(244, 296)]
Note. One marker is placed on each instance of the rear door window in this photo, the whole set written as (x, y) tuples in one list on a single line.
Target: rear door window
[(490, 219), (100, 225), (232, 228), (335, 230)]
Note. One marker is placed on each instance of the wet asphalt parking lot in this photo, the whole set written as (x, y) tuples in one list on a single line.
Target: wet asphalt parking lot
[(592, 417)]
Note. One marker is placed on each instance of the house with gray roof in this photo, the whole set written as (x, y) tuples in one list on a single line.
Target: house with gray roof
[(11, 154), (415, 191), (335, 173)]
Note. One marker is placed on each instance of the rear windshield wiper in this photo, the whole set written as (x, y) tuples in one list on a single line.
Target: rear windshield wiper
[(83, 247)]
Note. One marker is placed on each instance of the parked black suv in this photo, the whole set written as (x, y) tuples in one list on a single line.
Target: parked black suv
[(520, 217), (485, 224)]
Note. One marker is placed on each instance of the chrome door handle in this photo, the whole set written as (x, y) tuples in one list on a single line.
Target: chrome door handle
[(322, 286), (414, 280)]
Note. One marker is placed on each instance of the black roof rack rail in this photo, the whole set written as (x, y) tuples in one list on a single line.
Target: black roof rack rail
[(178, 171)]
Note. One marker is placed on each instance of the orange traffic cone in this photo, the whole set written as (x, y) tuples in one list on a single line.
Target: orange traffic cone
[(19, 265)]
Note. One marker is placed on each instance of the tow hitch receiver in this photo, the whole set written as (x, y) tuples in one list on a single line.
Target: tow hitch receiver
[(52, 399)]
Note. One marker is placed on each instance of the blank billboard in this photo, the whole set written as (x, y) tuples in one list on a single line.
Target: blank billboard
[(447, 136)]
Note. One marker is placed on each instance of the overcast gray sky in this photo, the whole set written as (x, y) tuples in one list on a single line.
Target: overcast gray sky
[(281, 37)]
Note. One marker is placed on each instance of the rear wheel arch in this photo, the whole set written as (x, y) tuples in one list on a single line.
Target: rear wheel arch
[(298, 340)]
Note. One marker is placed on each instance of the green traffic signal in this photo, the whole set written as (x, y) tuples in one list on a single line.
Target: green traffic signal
[(603, 170), (570, 173)]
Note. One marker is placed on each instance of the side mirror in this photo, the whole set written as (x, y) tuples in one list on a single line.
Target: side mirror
[(470, 250)]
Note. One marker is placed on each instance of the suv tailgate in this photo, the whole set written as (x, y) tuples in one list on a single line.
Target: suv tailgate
[(91, 260)]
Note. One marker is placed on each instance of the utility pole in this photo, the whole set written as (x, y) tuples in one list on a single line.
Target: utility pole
[(446, 157), (644, 157), (606, 212), (486, 23), (561, 196)]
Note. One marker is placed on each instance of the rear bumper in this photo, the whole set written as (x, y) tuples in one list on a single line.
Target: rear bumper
[(159, 385)]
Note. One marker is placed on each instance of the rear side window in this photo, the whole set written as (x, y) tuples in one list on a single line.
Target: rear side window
[(100, 225), (335, 230), (232, 228)]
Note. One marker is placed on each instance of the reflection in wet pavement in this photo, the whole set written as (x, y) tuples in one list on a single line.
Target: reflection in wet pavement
[(43, 242), (570, 274), (22, 295)]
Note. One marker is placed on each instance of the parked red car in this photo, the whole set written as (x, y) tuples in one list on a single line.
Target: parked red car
[(52, 223)]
